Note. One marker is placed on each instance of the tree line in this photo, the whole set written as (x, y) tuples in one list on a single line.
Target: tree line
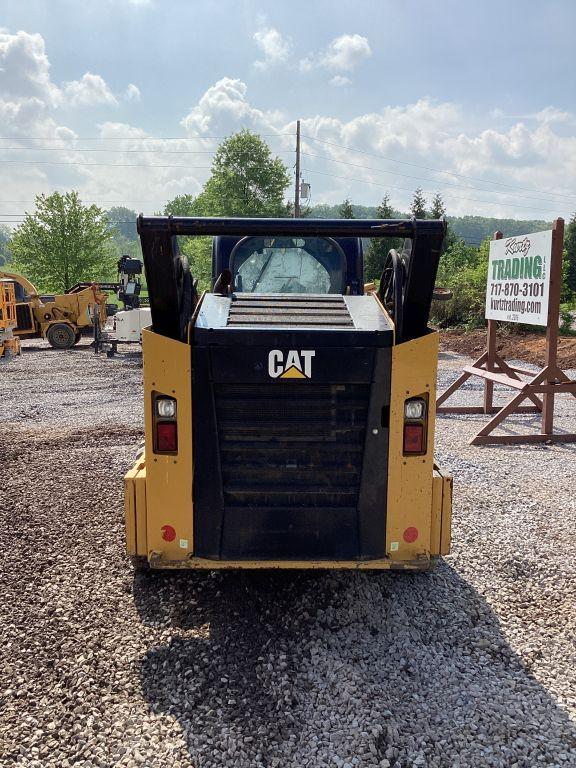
[(65, 241)]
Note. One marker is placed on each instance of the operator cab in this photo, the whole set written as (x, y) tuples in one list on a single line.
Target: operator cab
[(299, 265)]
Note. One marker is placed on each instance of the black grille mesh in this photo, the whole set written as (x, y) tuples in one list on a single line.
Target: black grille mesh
[(268, 310), (23, 317), (291, 445)]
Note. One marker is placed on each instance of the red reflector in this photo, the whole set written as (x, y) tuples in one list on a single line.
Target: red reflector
[(410, 535), (166, 436), (413, 438), (168, 533)]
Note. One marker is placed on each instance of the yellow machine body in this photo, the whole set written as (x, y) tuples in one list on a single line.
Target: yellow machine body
[(36, 314), (159, 492), (9, 342)]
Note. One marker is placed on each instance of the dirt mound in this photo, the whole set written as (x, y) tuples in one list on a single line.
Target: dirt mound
[(512, 346)]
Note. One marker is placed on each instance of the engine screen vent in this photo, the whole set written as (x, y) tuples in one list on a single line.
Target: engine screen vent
[(287, 446), (253, 310)]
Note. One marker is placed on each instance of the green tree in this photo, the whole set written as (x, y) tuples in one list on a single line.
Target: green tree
[(379, 246), (418, 205), (246, 180), (5, 253), (63, 242), (122, 224), (437, 207), (570, 256), (122, 220), (181, 205), (345, 211)]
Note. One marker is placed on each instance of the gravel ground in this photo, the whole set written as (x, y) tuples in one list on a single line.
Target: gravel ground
[(470, 665)]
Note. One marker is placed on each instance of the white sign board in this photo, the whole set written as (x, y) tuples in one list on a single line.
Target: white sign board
[(519, 279)]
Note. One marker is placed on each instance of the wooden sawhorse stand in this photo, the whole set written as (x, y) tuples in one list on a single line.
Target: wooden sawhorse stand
[(548, 382)]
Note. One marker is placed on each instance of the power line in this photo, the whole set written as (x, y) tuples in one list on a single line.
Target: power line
[(21, 215), (88, 200), (102, 149), (105, 165), (406, 189), (128, 138), (121, 151), (419, 178), (434, 170)]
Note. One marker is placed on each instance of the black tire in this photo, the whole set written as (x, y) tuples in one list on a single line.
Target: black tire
[(391, 290), (61, 336), (77, 337)]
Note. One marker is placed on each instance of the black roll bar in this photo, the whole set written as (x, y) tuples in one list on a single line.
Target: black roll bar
[(170, 285), (245, 227)]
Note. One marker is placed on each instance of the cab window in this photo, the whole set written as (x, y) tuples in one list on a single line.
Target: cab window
[(288, 265)]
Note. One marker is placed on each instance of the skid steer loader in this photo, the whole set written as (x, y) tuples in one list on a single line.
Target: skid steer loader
[(289, 413), (60, 318)]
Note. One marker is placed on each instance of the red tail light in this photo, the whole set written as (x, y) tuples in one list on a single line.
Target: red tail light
[(413, 438), (166, 437)]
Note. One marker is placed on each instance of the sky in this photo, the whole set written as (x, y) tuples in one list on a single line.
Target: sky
[(126, 100)]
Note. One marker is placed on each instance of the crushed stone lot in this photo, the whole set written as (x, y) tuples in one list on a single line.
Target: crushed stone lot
[(472, 664)]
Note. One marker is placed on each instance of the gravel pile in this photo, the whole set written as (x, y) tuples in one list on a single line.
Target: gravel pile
[(470, 665)]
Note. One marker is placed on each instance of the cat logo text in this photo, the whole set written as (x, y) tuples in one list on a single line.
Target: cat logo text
[(292, 364)]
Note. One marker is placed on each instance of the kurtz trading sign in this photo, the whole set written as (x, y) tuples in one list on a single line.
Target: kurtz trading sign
[(519, 279)]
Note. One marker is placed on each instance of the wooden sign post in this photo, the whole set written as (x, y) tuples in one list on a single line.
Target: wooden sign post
[(540, 388)]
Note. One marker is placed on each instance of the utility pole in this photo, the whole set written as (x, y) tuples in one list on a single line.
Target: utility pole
[(297, 180)]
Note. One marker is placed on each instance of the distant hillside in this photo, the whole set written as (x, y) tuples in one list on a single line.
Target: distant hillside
[(472, 229), (323, 211)]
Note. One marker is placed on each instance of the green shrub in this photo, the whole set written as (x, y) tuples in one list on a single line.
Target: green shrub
[(464, 270)]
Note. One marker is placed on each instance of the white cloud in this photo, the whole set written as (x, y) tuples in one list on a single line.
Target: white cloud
[(538, 152), (132, 93), (29, 107), (275, 47), (340, 81), (26, 88), (224, 108), (553, 115), (403, 143), (25, 69), (90, 91), (547, 115), (113, 130), (345, 53)]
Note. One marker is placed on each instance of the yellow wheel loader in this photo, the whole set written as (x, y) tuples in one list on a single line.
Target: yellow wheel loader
[(289, 411), (9, 343), (60, 318)]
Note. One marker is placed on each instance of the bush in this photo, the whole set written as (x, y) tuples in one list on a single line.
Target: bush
[(464, 270), (567, 318), (198, 251)]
